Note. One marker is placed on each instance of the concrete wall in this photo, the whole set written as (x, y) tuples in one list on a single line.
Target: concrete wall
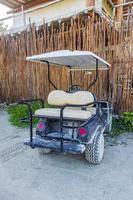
[(98, 5), (107, 8), (54, 11)]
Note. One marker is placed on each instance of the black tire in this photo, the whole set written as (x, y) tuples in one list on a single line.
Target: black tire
[(44, 150), (94, 151)]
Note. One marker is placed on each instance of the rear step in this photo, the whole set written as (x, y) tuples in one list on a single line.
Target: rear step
[(56, 145)]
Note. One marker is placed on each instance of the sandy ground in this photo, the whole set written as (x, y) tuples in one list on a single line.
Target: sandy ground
[(24, 174)]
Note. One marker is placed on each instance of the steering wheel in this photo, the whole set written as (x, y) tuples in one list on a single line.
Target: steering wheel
[(74, 88)]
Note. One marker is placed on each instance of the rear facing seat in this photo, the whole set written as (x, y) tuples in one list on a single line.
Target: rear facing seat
[(60, 98)]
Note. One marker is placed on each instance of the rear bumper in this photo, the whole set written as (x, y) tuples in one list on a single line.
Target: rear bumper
[(55, 145)]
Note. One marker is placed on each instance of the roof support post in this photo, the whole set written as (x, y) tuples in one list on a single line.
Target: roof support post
[(49, 79), (96, 76)]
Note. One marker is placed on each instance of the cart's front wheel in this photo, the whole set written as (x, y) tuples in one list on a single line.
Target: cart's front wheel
[(44, 150), (94, 151)]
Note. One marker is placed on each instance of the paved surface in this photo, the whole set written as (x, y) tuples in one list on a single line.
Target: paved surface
[(24, 174)]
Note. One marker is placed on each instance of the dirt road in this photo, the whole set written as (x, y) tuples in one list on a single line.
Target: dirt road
[(24, 174)]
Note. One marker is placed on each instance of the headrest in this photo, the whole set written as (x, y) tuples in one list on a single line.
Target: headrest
[(61, 98)]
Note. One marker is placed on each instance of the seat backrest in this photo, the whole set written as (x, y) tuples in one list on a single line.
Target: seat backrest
[(61, 98)]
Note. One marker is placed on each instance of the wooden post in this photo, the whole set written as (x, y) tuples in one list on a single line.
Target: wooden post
[(119, 12)]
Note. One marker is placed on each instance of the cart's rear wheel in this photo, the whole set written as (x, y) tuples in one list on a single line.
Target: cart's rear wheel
[(44, 150), (94, 151)]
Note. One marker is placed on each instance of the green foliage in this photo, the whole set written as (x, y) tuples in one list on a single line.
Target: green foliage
[(118, 127), (17, 112), (128, 119), (3, 27), (122, 124)]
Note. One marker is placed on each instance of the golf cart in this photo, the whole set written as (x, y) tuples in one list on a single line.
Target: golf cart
[(77, 122)]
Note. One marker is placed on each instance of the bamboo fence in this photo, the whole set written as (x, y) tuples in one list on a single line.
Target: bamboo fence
[(20, 79)]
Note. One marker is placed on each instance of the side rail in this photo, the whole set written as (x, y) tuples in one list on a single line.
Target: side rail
[(30, 118), (107, 108), (106, 105)]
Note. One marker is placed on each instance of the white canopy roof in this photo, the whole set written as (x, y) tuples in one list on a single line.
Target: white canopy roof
[(75, 59)]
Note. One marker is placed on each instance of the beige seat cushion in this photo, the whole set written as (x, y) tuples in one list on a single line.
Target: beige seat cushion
[(68, 113), (61, 98), (92, 110)]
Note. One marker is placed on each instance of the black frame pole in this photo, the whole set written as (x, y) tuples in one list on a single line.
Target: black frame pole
[(71, 81), (96, 77), (30, 118), (49, 79), (108, 85)]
